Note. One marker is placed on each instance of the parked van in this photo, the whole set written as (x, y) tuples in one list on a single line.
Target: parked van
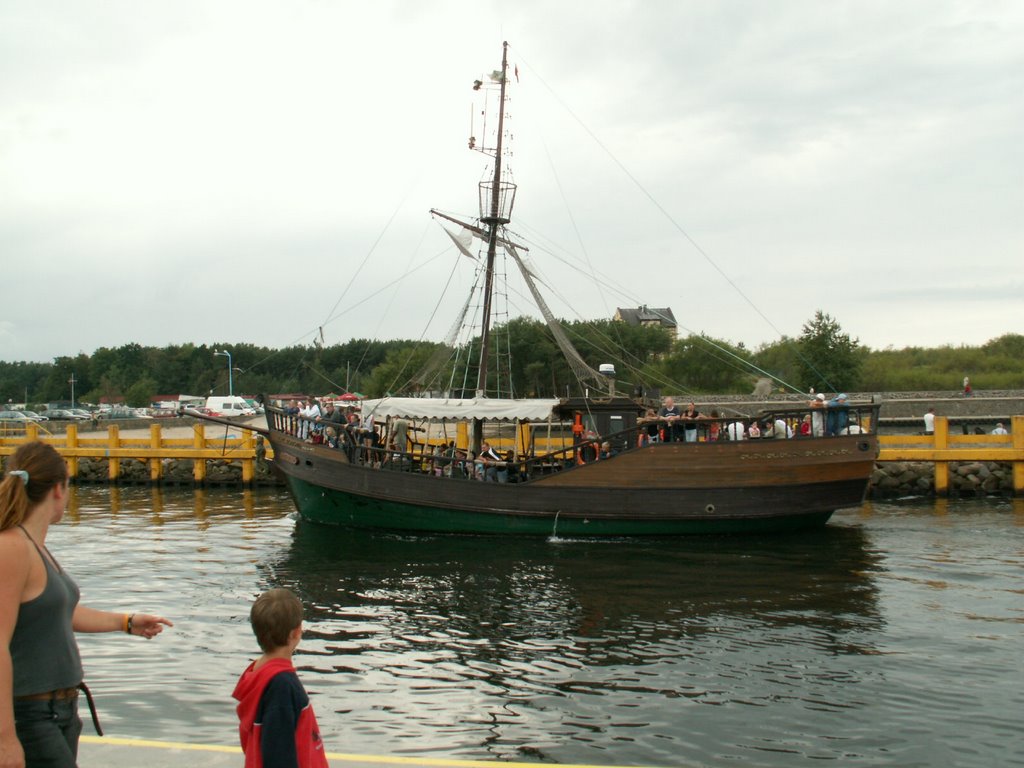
[(229, 406)]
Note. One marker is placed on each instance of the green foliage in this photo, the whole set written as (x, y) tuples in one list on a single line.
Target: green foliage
[(703, 364), (829, 359), (646, 356), (780, 361), (998, 364)]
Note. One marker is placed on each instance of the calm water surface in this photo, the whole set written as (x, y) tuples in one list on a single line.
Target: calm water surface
[(892, 637)]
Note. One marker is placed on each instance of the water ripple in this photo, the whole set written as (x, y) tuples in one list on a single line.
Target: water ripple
[(890, 638)]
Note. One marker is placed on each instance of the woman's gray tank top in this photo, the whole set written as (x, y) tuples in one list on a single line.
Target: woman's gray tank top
[(44, 652)]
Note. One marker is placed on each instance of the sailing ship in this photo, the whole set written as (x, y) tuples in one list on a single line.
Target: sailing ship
[(589, 465)]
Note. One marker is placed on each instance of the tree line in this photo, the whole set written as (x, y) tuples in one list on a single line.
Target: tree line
[(527, 363)]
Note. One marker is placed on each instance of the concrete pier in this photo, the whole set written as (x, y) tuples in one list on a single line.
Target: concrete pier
[(107, 752)]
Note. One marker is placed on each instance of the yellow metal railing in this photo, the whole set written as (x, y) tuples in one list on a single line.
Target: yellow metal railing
[(944, 447), (152, 449)]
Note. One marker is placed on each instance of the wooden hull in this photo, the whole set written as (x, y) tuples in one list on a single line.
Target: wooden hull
[(663, 489)]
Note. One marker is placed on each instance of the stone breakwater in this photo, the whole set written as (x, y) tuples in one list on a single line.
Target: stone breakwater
[(175, 472), (917, 478)]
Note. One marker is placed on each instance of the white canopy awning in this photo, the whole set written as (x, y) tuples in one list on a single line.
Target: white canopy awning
[(438, 408)]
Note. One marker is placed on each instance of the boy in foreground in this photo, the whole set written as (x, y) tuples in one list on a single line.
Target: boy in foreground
[(276, 723)]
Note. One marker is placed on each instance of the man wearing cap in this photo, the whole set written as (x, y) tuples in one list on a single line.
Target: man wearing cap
[(838, 415), (817, 418)]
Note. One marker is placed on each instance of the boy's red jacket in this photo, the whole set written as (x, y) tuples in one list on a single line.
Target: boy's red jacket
[(279, 729)]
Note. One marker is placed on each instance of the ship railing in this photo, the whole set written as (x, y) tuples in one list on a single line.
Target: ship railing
[(803, 422)]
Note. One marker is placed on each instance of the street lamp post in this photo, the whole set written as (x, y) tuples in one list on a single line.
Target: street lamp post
[(231, 381)]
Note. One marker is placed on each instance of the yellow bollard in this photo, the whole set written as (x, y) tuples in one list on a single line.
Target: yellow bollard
[(71, 441), (155, 465), (113, 463), (940, 441), (199, 442), (248, 449), (1017, 425)]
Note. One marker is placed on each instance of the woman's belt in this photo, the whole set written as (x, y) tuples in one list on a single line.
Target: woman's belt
[(59, 694)]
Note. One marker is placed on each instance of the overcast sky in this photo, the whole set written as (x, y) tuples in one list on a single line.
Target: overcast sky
[(218, 172)]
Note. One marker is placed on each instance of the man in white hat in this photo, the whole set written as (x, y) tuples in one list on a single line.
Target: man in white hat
[(817, 417)]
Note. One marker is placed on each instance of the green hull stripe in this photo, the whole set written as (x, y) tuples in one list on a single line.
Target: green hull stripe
[(323, 505)]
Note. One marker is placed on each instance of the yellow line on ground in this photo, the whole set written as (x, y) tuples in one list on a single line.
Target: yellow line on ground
[(385, 759), (113, 741)]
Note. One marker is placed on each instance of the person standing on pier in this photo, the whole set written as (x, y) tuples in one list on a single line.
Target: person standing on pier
[(929, 422), (40, 666)]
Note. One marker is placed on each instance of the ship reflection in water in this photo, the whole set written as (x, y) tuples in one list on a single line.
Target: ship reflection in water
[(839, 643)]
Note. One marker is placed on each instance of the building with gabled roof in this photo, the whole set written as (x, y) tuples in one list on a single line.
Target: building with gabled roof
[(660, 316)]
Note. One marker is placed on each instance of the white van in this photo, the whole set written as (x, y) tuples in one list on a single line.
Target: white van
[(230, 406)]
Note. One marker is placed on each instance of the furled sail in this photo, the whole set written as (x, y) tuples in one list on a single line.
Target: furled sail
[(576, 363)]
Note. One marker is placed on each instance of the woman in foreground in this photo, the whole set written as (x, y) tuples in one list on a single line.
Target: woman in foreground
[(40, 666)]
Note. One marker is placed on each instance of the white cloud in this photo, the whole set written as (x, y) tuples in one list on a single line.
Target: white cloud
[(146, 151)]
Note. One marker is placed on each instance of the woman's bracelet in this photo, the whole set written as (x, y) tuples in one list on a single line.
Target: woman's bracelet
[(128, 618)]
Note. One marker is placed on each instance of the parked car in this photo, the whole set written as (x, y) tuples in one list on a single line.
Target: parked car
[(124, 412), (64, 414), (14, 416), (35, 416)]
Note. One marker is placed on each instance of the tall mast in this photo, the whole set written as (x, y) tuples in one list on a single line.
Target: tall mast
[(493, 216)]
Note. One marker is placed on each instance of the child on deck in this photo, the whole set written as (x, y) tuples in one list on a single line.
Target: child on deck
[(276, 723)]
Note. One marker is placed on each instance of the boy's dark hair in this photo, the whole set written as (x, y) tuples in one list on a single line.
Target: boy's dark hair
[(273, 616)]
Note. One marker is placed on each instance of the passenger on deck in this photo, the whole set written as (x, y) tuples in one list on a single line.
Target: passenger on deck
[(330, 415), (714, 428), (817, 415), (516, 470), (312, 413), (400, 435), (689, 419), (670, 414), (461, 466), (838, 415), (366, 438), (805, 426), (649, 429), (487, 463), (506, 468), (755, 430), (736, 431), (350, 439), (1000, 429)]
